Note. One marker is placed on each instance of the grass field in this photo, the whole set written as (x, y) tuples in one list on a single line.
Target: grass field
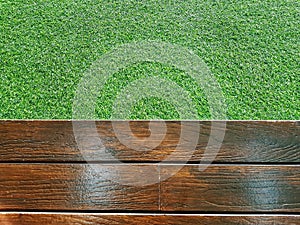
[(251, 47)]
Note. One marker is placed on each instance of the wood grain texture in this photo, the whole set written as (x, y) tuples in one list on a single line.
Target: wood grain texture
[(73, 187), (43, 170), (231, 188), (53, 141), (219, 188), (150, 219)]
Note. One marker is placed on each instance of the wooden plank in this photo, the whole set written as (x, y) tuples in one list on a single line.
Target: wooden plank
[(239, 188), (53, 141), (219, 188), (75, 187), (155, 219)]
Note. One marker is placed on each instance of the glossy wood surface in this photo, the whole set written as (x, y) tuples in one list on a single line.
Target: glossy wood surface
[(144, 219), (45, 177), (247, 188), (73, 187), (53, 141), (218, 188)]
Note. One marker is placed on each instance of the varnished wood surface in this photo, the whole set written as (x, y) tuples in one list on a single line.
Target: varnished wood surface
[(73, 187), (146, 219), (44, 178), (231, 188), (221, 188), (53, 141)]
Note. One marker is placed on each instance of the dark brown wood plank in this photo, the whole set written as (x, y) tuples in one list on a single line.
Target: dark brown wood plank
[(219, 188), (231, 188), (151, 219), (53, 141), (75, 187)]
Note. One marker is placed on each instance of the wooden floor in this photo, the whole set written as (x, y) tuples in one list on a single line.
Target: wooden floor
[(45, 177)]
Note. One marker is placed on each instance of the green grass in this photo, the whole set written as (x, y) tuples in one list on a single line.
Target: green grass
[(251, 47)]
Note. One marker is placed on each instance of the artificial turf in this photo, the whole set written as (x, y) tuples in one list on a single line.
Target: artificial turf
[(250, 46)]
